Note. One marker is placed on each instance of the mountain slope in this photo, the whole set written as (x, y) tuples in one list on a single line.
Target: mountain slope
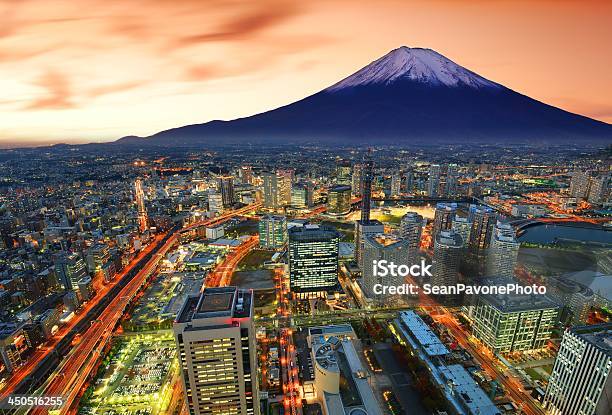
[(410, 94)]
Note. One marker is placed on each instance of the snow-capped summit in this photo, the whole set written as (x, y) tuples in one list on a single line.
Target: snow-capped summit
[(414, 64)]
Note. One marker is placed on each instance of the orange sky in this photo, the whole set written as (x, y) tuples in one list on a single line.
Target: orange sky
[(95, 70)]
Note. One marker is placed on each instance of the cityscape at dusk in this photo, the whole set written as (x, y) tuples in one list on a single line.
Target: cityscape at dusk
[(406, 210)]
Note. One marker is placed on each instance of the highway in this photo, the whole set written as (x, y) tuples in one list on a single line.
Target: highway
[(222, 275), (70, 379), (32, 363)]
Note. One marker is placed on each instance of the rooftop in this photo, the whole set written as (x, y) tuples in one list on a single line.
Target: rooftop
[(467, 391), (216, 302), (429, 342)]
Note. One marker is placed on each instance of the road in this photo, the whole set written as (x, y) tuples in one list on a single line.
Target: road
[(23, 371), (222, 275), (77, 367)]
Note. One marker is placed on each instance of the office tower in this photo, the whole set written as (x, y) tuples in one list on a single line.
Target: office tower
[(216, 345), (97, 256), (462, 226), (579, 184), (225, 185), (503, 252), (285, 181), (310, 194), (339, 200), (396, 185), (215, 202), (483, 219), (246, 174), (446, 257), (313, 260), (357, 179), (366, 188), (411, 229), (452, 177), (443, 217), (271, 198), (363, 230), (409, 181), (383, 247), (580, 382), (70, 269), (299, 196), (513, 323), (433, 184), (272, 232), (343, 173), (576, 299), (599, 189)]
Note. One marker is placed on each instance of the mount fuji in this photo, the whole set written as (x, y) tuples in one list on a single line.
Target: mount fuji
[(408, 95)]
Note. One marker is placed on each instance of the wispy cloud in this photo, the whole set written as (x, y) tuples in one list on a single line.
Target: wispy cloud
[(58, 94)]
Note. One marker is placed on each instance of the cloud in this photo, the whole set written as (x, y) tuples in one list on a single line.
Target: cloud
[(102, 90), (264, 16), (58, 92)]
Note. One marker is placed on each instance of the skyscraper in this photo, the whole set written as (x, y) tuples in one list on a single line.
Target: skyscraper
[(366, 227), (433, 184), (396, 185), (343, 173), (446, 257), (285, 181), (452, 176), (339, 200), (443, 217), (313, 260), (579, 184), (463, 226), (483, 219), (503, 252), (599, 189), (411, 229), (272, 231), (225, 184), (270, 190), (580, 382), (357, 179), (70, 269), (216, 343), (299, 196), (246, 174), (383, 247)]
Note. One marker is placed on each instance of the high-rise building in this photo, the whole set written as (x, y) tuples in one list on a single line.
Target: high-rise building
[(382, 247), (277, 189), (343, 173), (363, 230), (299, 196), (512, 323), (313, 260), (599, 189), (70, 269), (433, 184), (576, 299), (216, 343), (483, 219), (357, 179), (225, 184), (246, 174), (271, 198), (396, 185), (579, 184), (411, 229), (272, 232), (503, 251), (581, 381), (215, 202), (339, 200), (443, 217), (452, 177), (462, 226), (446, 257), (285, 181), (409, 181), (366, 188), (97, 256)]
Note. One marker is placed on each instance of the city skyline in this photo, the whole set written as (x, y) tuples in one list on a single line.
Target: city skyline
[(140, 70)]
